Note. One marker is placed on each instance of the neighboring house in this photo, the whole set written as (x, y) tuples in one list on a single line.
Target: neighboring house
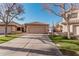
[(74, 23), (58, 28), (36, 28), (12, 27)]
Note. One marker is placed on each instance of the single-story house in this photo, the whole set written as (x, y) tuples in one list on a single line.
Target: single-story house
[(36, 28), (12, 27), (73, 23)]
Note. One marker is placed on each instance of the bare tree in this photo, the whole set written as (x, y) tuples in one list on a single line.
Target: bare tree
[(63, 9), (9, 11)]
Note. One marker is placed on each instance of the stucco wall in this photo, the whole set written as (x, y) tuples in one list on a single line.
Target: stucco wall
[(64, 29), (14, 28)]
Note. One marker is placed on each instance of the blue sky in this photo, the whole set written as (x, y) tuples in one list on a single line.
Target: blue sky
[(34, 12)]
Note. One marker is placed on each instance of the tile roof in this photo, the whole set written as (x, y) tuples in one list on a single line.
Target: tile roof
[(36, 23), (12, 23)]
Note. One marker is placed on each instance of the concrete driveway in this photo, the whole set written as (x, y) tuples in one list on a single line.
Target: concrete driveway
[(30, 45)]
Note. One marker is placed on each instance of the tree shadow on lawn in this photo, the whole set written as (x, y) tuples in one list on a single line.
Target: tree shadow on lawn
[(7, 38), (70, 41), (67, 52)]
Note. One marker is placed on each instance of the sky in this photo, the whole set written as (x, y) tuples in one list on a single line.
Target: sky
[(34, 12)]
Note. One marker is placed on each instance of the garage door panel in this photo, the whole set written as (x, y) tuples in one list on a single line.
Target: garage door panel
[(9, 30), (2, 30), (36, 29)]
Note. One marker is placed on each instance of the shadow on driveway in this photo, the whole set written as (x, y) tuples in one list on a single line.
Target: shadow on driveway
[(50, 52), (43, 38)]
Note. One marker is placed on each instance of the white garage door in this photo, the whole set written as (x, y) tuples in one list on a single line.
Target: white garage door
[(9, 30), (2, 30), (77, 30)]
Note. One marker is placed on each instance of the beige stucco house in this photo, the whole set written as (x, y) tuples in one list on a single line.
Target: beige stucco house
[(36, 28), (74, 23), (12, 27), (58, 28)]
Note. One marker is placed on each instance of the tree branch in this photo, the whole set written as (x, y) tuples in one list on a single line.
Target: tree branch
[(12, 18)]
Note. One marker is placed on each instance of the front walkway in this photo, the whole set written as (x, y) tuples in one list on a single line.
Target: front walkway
[(30, 45)]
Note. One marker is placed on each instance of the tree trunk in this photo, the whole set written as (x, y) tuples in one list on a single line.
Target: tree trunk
[(68, 31), (52, 32), (6, 25), (6, 29), (53, 29)]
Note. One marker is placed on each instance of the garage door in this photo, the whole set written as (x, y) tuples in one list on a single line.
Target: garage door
[(2, 30), (77, 30), (9, 30), (37, 30)]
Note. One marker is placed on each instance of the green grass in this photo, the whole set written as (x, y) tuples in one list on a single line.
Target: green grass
[(8, 38), (66, 46)]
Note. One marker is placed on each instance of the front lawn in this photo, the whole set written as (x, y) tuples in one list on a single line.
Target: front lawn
[(9, 37), (69, 47)]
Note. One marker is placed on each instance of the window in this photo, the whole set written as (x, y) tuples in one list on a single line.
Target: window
[(73, 15)]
